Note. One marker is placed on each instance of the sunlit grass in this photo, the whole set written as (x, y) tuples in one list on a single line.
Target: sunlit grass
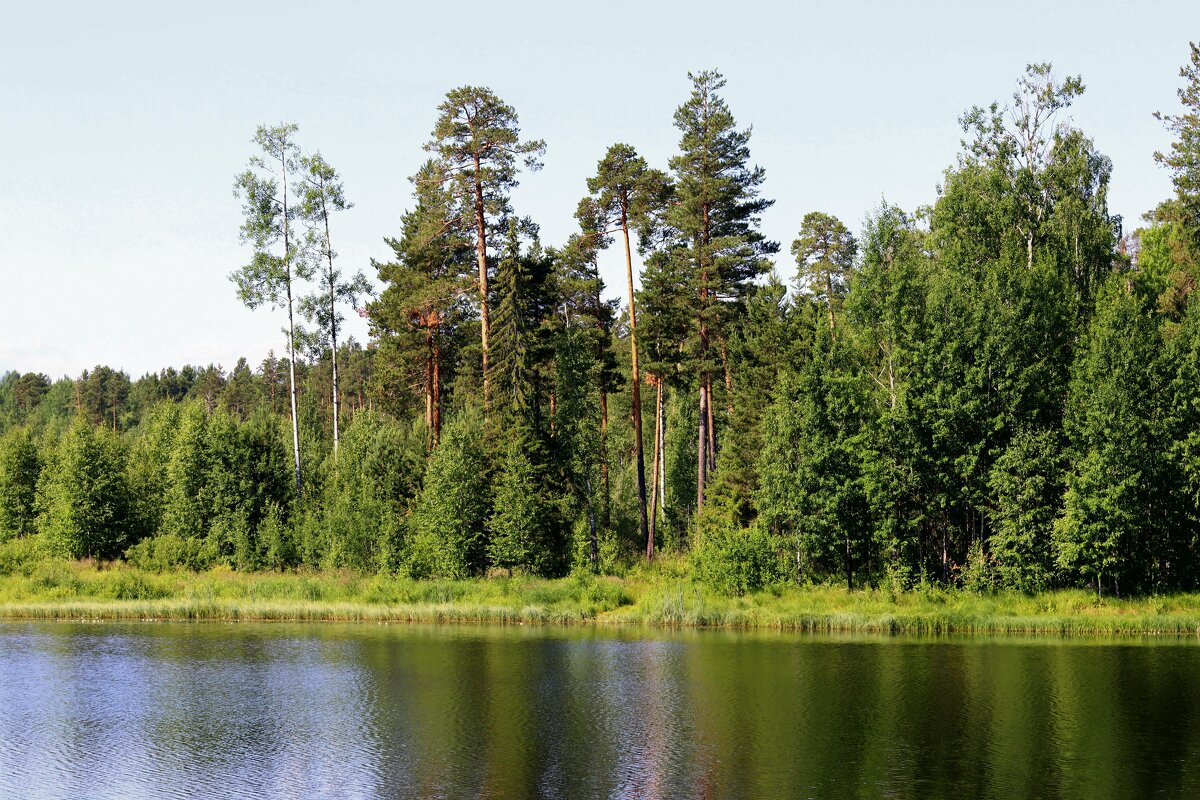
[(660, 594)]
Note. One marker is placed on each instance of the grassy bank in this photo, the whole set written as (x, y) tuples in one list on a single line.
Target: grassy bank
[(658, 596)]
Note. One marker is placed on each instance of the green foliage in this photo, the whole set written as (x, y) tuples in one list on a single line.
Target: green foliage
[(736, 561), (810, 486), (1183, 162), (1113, 431), (447, 526), (1026, 482), (998, 391), (824, 252), (19, 470), (526, 533), (84, 498), (169, 551), (370, 483)]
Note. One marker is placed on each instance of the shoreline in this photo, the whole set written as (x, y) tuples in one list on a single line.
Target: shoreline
[(659, 597)]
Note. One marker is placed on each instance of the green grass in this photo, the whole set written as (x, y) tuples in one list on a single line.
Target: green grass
[(660, 595)]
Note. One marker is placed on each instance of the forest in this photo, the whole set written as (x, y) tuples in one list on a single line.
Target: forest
[(996, 391)]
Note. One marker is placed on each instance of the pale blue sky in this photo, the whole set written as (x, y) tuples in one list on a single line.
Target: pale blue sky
[(123, 124)]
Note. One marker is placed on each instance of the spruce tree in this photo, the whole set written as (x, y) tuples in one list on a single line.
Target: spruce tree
[(525, 532)]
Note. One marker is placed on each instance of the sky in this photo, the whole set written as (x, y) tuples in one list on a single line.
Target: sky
[(123, 124)]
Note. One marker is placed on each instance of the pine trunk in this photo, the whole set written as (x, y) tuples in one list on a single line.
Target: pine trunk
[(605, 518), (481, 263), (437, 392), (636, 396), (654, 492), (429, 392), (702, 447)]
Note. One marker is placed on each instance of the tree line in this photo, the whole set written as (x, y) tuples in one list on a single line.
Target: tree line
[(995, 390)]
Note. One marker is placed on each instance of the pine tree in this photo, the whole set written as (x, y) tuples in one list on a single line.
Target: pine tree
[(626, 193), (581, 292), (824, 252), (419, 316), (477, 141), (1183, 162), (717, 249)]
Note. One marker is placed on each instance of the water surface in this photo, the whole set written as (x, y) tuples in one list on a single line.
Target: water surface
[(381, 711)]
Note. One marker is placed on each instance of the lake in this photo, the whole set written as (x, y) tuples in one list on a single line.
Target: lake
[(380, 711)]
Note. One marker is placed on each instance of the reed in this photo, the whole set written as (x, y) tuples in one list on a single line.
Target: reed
[(661, 596)]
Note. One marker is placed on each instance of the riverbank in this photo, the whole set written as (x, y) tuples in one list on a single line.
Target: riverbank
[(661, 595)]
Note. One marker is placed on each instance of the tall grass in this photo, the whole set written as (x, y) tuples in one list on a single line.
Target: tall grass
[(662, 595)]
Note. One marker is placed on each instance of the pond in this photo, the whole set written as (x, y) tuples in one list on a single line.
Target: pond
[(380, 711)]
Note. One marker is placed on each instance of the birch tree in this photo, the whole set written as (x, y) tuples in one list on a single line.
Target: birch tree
[(267, 226), (321, 193)]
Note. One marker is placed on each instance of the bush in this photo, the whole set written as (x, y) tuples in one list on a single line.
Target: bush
[(122, 585), (979, 574), (169, 551), (19, 556), (734, 561)]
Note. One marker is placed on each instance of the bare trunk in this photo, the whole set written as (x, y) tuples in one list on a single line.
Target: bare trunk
[(654, 492), (712, 430), (437, 392), (481, 262), (287, 260), (829, 297), (592, 540), (662, 453), (702, 447), (605, 519), (332, 325), (604, 515), (636, 397), (849, 567), (429, 392), (728, 377)]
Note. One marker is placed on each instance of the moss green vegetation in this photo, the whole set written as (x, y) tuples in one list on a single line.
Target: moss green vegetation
[(660, 596)]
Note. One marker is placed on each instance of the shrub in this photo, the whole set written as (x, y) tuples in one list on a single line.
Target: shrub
[(19, 556), (735, 561), (169, 551)]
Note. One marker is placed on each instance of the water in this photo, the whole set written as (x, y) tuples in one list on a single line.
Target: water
[(208, 710)]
